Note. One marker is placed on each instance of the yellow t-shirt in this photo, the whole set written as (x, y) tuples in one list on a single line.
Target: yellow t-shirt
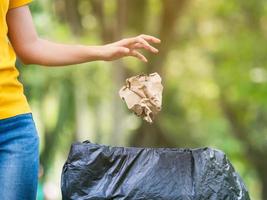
[(12, 99)]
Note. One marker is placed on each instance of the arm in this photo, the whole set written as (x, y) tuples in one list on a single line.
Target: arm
[(33, 50)]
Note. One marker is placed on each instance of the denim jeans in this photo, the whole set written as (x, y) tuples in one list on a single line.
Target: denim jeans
[(19, 158)]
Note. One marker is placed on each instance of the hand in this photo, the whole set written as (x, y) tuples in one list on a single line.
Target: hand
[(129, 47)]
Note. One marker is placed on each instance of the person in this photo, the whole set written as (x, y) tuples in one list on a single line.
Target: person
[(18, 136)]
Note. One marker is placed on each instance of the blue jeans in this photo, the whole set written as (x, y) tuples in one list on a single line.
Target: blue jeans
[(19, 158)]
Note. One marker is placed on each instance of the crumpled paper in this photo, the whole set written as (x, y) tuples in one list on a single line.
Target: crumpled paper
[(143, 95)]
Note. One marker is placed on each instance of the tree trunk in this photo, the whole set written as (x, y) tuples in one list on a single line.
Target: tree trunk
[(171, 11), (137, 23), (150, 136), (263, 179), (73, 16)]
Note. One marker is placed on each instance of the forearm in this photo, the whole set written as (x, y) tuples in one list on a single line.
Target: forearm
[(33, 50), (43, 52)]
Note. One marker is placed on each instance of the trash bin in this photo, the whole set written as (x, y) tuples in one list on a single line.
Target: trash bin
[(99, 172)]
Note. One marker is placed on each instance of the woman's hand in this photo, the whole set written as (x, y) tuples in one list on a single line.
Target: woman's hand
[(128, 47)]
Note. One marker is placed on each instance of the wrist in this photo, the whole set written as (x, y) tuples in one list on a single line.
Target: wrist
[(96, 53)]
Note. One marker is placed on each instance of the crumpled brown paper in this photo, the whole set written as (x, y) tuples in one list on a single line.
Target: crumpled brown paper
[(143, 95)]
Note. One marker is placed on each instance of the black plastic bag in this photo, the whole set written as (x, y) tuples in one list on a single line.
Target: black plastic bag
[(98, 172)]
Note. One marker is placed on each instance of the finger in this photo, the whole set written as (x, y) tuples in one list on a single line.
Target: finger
[(127, 41), (139, 39), (134, 40), (138, 55), (150, 38), (145, 44), (141, 46)]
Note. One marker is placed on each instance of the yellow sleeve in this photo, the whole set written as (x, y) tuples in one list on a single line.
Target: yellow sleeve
[(18, 3)]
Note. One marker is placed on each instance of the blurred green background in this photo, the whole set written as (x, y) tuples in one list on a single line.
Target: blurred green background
[(213, 60)]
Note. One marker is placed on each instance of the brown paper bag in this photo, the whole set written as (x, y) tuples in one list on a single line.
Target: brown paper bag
[(143, 95)]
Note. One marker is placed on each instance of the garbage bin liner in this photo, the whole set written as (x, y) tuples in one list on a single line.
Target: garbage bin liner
[(99, 172)]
